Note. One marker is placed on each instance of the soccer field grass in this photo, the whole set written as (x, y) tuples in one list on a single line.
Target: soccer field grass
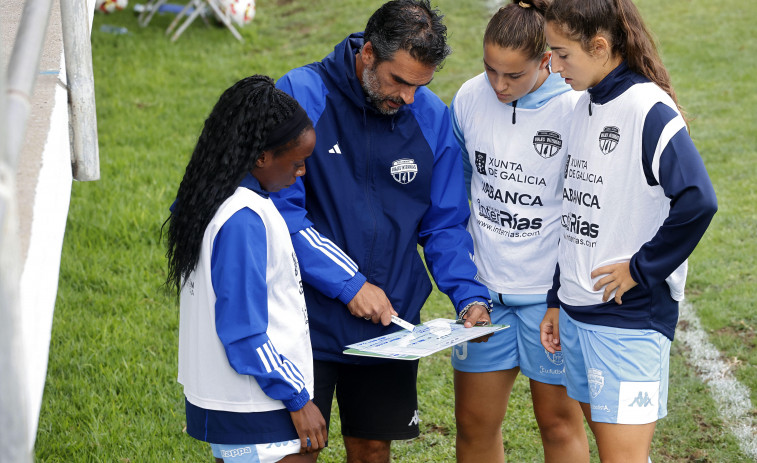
[(111, 393)]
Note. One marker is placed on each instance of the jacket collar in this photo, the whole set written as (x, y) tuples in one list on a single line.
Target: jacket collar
[(251, 183), (615, 83)]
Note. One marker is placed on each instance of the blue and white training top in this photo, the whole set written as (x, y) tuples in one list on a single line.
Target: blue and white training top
[(244, 343), (638, 191), (377, 186), (516, 190)]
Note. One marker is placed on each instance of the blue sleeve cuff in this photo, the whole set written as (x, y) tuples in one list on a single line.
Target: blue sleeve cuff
[(552, 299), (633, 268), (298, 402), (352, 287)]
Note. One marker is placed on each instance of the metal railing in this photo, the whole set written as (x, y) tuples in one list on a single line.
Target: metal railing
[(85, 158), (15, 108)]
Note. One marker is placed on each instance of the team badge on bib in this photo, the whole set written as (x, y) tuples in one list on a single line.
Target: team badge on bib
[(596, 381), (609, 139), (481, 162), (404, 170), (547, 143)]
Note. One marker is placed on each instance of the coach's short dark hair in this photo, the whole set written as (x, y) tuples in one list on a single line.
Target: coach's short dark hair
[(410, 25)]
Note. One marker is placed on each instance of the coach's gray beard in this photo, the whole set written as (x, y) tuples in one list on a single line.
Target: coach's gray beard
[(371, 87)]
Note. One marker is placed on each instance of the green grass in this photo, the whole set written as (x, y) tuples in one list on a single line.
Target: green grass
[(111, 393)]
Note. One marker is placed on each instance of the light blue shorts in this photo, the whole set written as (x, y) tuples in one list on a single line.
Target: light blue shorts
[(621, 373), (517, 346), (255, 453)]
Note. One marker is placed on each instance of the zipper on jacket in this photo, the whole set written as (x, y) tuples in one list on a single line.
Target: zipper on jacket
[(515, 104), (590, 98), (368, 269)]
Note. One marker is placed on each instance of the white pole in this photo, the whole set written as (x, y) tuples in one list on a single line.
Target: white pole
[(13, 401), (22, 73), (85, 159)]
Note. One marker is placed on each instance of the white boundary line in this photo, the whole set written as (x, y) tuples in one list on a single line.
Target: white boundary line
[(731, 397)]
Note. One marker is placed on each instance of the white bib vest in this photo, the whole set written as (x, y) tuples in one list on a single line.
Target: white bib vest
[(516, 186), (609, 210), (209, 381)]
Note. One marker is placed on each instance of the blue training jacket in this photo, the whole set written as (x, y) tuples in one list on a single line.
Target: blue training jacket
[(376, 187)]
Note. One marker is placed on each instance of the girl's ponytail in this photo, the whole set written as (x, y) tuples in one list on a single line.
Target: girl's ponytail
[(638, 48)]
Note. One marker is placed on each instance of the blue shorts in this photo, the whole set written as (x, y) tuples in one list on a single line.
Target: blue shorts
[(517, 346), (255, 453), (621, 373)]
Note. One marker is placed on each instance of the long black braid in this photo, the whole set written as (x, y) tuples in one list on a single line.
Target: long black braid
[(231, 141)]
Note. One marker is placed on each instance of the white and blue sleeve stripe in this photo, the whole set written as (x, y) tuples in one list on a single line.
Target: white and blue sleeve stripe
[(671, 160), (273, 362), (325, 266), (674, 126), (328, 248), (238, 271)]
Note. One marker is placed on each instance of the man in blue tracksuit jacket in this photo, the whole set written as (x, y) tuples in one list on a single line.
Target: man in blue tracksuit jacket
[(385, 176)]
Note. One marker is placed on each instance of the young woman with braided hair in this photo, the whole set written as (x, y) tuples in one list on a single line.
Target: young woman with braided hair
[(643, 202), (512, 123), (245, 359)]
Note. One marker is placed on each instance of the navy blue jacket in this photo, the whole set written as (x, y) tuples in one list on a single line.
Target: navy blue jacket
[(376, 187)]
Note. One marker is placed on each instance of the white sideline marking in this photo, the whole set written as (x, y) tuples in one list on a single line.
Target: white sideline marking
[(731, 397)]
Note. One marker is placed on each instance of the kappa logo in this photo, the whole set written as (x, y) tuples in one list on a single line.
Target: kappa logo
[(638, 402), (642, 400), (481, 162), (547, 143), (235, 452), (596, 381), (415, 420), (556, 358), (404, 170), (335, 149), (609, 139)]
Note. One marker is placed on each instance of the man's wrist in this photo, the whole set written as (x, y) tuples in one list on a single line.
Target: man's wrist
[(486, 304)]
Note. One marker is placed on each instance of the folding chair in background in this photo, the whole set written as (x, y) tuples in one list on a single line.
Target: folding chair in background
[(189, 13)]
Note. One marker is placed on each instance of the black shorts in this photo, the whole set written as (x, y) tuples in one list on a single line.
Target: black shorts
[(377, 402)]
